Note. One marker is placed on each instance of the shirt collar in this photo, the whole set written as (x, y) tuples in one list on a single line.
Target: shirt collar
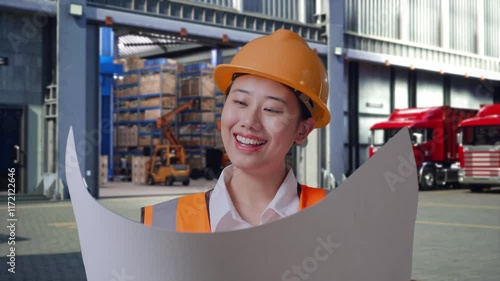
[(284, 203)]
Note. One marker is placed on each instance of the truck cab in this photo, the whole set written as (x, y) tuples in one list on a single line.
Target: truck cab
[(479, 149), (433, 134)]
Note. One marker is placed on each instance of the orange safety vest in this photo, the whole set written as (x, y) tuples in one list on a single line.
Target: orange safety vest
[(191, 213)]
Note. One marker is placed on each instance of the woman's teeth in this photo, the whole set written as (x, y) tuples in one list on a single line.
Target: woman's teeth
[(248, 141)]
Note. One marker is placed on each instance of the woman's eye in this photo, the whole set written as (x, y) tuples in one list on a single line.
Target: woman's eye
[(272, 110), (240, 103)]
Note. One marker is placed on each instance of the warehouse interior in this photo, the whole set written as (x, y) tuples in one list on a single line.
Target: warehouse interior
[(378, 65)]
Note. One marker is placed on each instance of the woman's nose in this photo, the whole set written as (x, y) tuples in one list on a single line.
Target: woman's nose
[(251, 119)]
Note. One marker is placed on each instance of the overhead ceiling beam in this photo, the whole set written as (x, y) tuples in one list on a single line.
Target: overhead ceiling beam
[(42, 6), (163, 24)]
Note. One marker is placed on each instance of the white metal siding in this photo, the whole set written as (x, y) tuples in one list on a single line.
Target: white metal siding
[(401, 88), (429, 89), (492, 28)]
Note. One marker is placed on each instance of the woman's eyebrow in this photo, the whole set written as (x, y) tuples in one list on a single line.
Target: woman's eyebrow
[(241, 91), (277, 99)]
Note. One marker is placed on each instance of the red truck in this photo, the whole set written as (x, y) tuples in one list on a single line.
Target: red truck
[(479, 149), (433, 131)]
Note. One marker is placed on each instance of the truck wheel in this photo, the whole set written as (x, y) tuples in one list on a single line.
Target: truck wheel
[(151, 180), (169, 181), (428, 178), (475, 188), (186, 182)]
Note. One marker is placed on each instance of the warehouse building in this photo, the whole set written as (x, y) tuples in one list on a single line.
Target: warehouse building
[(83, 64)]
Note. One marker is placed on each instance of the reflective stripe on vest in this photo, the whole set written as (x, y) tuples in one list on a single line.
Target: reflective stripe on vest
[(190, 213)]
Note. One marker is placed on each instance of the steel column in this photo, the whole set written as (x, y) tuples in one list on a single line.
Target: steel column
[(216, 58), (335, 35), (353, 107), (412, 88), (93, 114), (71, 84), (446, 90)]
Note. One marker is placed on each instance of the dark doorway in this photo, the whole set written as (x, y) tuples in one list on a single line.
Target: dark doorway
[(10, 146)]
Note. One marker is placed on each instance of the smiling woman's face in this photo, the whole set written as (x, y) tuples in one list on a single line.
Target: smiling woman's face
[(261, 120)]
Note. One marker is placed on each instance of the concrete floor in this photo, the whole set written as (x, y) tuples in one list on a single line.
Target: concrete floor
[(457, 234)]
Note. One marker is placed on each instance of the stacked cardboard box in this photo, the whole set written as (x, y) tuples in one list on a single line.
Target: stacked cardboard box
[(103, 169), (126, 136), (166, 102), (193, 141), (198, 116), (133, 63), (198, 86), (165, 83), (140, 165), (130, 78), (152, 114), (207, 104)]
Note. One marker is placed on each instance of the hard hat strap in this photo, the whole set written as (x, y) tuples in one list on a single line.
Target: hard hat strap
[(305, 99)]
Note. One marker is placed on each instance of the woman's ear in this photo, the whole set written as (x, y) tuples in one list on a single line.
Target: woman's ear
[(305, 128)]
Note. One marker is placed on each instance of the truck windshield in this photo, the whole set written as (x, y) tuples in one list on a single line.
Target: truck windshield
[(420, 135), (481, 135), (381, 136)]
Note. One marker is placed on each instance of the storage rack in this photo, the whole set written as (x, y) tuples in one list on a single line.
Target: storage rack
[(197, 126), (144, 93)]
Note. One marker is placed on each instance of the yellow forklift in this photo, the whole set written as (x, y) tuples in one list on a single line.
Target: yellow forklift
[(168, 162), (168, 165)]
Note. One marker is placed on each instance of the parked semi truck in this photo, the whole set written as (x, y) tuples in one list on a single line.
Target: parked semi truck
[(479, 149), (433, 131)]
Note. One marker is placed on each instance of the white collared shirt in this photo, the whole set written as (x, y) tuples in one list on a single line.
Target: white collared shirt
[(224, 217)]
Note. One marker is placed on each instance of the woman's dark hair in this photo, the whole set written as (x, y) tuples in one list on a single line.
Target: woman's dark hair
[(304, 112)]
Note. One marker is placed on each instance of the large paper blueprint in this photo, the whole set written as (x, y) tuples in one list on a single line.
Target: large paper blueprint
[(362, 231)]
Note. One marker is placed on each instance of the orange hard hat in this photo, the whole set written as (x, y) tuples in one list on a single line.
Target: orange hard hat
[(285, 57)]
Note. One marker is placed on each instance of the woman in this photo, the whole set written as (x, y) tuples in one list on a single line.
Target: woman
[(276, 92)]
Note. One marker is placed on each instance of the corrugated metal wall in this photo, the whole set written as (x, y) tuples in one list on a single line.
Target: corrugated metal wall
[(284, 9), (492, 28), (221, 3), (424, 22), (463, 25), (373, 17), (420, 21)]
